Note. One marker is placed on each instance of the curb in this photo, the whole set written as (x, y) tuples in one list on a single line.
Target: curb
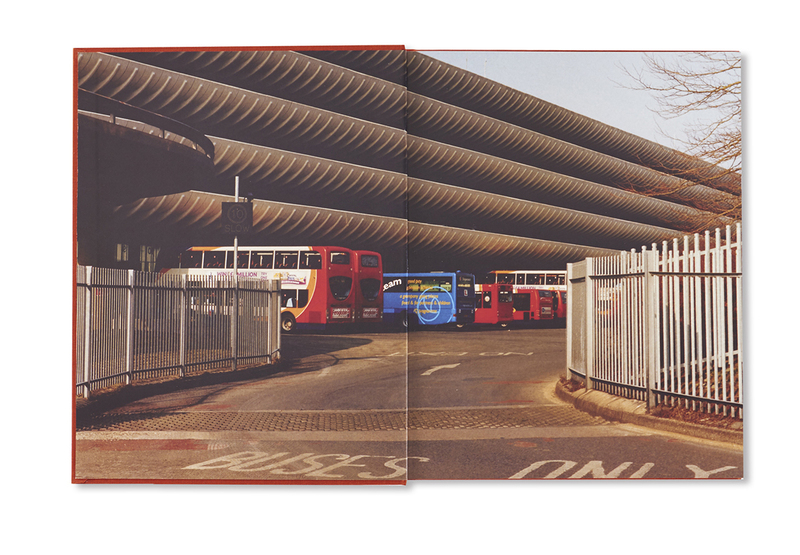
[(611, 407)]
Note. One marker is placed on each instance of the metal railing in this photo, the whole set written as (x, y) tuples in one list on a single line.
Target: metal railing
[(93, 102), (664, 325), (137, 325)]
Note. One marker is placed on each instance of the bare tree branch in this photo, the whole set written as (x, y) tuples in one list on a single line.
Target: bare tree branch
[(706, 86), (703, 84)]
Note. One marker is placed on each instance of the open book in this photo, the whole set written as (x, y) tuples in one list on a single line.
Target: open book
[(379, 265)]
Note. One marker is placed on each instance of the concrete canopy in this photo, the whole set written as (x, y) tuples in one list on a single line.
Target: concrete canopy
[(392, 150)]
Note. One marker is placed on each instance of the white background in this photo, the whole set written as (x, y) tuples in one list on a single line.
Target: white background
[(45, 511)]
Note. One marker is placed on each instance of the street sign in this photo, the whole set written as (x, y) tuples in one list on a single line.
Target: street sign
[(237, 218)]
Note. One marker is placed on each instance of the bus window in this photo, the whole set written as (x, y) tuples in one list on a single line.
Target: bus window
[(214, 259), (504, 296), (534, 279), (289, 298), (520, 279), (286, 260), (294, 298), (369, 261), (242, 262), (340, 287), (302, 298), (191, 259), (340, 257), (310, 260), (261, 260), (508, 279), (552, 279)]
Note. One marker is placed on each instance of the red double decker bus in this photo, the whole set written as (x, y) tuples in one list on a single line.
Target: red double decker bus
[(535, 293), (317, 283), (560, 305), (369, 287), (494, 304), (533, 304)]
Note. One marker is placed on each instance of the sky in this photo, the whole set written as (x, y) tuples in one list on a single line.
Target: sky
[(593, 84)]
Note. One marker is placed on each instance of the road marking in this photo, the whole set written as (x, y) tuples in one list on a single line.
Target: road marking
[(595, 469), (253, 461), (435, 368), (700, 473)]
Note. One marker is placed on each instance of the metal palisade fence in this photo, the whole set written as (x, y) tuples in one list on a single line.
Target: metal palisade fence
[(137, 325), (662, 325)]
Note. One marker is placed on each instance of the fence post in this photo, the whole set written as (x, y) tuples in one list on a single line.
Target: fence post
[(87, 332), (268, 315), (739, 316), (184, 325), (569, 321), (275, 325), (129, 332), (590, 321), (650, 328), (235, 321)]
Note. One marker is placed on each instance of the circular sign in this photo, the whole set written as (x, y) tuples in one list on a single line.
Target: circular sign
[(237, 214)]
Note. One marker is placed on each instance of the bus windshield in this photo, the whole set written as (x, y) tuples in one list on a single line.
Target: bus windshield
[(369, 261)]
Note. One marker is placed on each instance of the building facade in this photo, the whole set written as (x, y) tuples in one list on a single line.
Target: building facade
[(394, 151)]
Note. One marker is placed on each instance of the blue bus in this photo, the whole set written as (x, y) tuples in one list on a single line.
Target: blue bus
[(429, 299)]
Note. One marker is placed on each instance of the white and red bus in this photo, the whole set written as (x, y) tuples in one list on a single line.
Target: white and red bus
[(550, 280), (536, 293), (317, 283), (369, 287), (494, 304)]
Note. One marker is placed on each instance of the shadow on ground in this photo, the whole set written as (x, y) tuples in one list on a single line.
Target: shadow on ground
[(298, 353)]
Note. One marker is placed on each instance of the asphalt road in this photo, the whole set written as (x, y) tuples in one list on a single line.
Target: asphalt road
[(481, 407)]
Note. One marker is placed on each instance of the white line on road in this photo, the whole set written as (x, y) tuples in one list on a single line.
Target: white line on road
[(435, 368)]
